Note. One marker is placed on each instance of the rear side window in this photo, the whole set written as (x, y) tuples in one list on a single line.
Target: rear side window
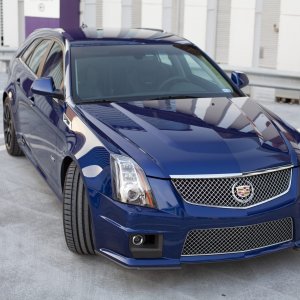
[(35, 58), (29, 50), (54, 65)]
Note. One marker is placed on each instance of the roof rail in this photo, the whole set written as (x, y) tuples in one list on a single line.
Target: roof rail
[(153, 29), (58, 29)]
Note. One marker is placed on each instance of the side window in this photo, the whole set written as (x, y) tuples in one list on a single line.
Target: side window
[(35, 58), (54, 65), (29, 49)]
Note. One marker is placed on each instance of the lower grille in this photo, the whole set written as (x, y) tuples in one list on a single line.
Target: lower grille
[(237, 239)]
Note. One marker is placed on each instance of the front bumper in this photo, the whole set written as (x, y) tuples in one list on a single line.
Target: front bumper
[(173, 263), (115, 223)]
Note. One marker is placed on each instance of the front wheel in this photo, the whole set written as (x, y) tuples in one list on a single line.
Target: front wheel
[(10, 137), (76, 213)]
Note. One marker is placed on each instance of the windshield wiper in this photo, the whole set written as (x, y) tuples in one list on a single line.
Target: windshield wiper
[(95, 101), (174, 97), (186, 96)]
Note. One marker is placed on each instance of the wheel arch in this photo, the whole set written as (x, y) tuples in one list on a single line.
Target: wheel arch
[(5, 95), (64, 168), (63, 171)]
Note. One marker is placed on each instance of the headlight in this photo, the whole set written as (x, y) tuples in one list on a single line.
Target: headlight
[(129, 182)]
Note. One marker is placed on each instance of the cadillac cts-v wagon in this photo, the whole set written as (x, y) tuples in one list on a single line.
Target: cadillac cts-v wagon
[(158, 156)]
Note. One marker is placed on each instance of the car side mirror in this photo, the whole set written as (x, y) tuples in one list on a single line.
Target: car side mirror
[(240, 79), (45, 86)]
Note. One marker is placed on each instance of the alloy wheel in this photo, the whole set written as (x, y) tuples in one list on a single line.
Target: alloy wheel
[(7, 124)]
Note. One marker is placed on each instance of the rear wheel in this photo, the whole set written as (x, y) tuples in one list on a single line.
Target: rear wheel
[(76, 213), (10, 137)]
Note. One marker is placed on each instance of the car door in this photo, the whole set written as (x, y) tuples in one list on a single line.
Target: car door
[(47, 113), (27, 71)]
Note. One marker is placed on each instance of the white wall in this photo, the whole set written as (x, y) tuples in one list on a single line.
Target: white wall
[(152, 13), (195, 21), (21, 21), (242, 32), (127, 13), (288, 57), (211, 27), (10, 23), (167, 15), (88, 12), (112, 13)]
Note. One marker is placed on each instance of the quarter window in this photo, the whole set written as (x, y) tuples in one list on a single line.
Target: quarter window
[(54, 65)]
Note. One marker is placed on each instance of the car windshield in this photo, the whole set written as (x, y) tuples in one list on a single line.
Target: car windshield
[(143, 71)]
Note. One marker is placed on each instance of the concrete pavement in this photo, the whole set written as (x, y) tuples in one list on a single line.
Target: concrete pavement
[(36, 264)]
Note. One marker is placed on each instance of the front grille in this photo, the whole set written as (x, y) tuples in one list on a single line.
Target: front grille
[(220, 192), (237, 239)]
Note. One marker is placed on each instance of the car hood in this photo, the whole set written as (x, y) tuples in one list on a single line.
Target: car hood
[(195, 136)]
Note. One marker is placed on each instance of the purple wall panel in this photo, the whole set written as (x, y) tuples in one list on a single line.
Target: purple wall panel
[(69, 18), (33, 23), (69, 14)]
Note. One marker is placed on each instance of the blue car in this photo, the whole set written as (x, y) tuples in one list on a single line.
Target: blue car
[(157, 155)]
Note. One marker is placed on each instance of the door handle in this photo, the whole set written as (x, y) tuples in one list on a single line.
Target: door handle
[(31, 99)]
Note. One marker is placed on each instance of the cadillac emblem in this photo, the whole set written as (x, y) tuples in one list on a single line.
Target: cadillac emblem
[(243, 191)]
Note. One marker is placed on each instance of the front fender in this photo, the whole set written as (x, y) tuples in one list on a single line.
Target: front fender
[(88, 152), (292, 136)]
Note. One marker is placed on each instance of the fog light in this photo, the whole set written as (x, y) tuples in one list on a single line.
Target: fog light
[(137, 240), (146, 245)]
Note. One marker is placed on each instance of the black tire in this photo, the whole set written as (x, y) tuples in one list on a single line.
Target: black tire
[(10, 137), (76, 214)]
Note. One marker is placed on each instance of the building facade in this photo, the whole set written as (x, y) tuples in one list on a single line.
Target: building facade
[(239, 33)]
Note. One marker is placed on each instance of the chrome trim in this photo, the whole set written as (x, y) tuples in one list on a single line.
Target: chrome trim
[(263, 171), (64, 50), (67, 121), (28, 69), (253, 249), (229, 175), (243, 175), (206, 176)]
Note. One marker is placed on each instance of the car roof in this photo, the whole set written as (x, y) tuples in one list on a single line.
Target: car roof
[(89, 35)]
